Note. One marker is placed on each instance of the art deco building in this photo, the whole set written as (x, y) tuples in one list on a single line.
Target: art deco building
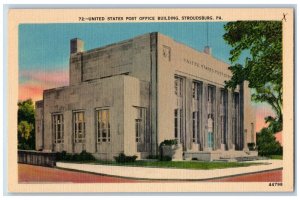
[(132, 95)]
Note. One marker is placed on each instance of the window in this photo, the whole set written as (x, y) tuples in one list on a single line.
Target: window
[(210, 99), (58, 128), (197, 96), (252, 132), (223, 115), (178, 86), (236, 118), (210, 94), (78, 127), (140, 124), (196, 90), (178, 112), (103, 125), (195, 126), (178, 124)]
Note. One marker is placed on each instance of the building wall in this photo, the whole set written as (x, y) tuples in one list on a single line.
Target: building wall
[(177, 59), (103, 93), (135, 95), (134, 57), (127, 57), (119, 94)]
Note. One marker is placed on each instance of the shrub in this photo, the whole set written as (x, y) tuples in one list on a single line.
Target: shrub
[(153, 157), (122, 158), (251, 146), (168, 143), (83, 156), (165, 158), (194, 158), (267, 144)]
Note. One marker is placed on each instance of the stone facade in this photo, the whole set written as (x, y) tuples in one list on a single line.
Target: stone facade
[(130, 96)]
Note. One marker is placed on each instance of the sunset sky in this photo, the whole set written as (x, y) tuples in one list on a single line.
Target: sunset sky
[(44, 50)]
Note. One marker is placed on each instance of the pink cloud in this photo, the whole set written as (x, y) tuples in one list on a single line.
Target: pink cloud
[(33, 92), (35, 81), (60, 77), (263, 111)]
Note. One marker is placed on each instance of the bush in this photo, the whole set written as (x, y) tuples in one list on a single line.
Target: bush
[(165, 158), (122, 158), (168, 143), (267, 144), (194, 158), (153, 157), (83, 156), (251, 146)]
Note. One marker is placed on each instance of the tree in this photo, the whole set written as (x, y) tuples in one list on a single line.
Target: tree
[(24, 135), (266, 143), (262, 40), (26, 121)]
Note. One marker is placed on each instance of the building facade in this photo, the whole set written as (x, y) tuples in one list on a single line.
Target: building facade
[(130, 96)]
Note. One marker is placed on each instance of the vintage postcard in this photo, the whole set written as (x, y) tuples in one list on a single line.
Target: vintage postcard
[(151, 100)]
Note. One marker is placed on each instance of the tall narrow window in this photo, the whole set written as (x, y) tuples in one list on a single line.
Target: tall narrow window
[(178, 112), (79, 127), (210, 115), (210, 99), (178, 86), (195, 126), (176, 123), (196, 90), (252, 132), (236, 136), (58, 128), (223, 115), (140, 125), (103, 125), (196, 95)]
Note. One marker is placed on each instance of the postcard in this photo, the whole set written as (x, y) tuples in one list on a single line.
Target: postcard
[(151, 100)]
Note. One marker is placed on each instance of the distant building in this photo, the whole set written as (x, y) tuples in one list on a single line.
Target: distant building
[(130, 96)]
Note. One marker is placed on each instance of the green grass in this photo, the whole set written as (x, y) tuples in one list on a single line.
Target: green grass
[(178, 164), (276, 157)]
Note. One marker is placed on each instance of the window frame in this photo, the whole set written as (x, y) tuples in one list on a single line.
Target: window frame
[(76, 126), (54, 127), (140, 122), (100, 138)]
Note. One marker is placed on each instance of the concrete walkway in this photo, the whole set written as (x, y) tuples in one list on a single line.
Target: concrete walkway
[(171, 174)]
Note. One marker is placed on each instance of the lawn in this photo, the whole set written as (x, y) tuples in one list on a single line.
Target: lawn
[(275, 157), (178, 164)]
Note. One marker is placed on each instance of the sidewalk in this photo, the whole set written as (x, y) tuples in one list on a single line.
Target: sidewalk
[(171, 174)]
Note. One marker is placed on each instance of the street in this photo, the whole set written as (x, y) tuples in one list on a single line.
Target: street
[(38, 174)]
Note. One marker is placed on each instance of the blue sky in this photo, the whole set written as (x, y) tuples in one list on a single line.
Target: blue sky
[(46, 46)]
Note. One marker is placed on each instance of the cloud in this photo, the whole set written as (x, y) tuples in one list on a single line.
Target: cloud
[(33, 82), (60, 77), (33, 92), (263, 111)]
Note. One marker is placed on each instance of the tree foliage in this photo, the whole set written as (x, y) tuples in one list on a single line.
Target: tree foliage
[(24, 130), (26, 121), (266, 143), (262, 40)]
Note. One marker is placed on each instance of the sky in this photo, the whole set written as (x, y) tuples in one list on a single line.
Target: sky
[(44, 49)]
